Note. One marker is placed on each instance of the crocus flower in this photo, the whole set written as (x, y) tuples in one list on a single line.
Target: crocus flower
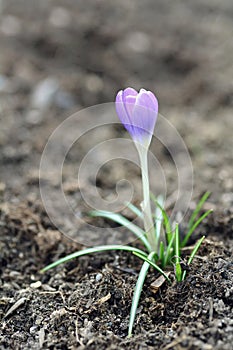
[(138, 113)]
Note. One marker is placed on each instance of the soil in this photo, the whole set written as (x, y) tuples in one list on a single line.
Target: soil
[(58, 57)]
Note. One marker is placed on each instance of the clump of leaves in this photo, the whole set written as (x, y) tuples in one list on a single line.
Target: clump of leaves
[(169, 251)]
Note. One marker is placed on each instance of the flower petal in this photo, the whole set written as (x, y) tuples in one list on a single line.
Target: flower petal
[(129, 92), (154, 100), (129, 105), (144, 116), (147, 99), (119, 96), (122, 112)]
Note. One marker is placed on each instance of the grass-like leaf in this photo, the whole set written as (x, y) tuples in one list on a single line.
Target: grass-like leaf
[(198, 208), (166, 220), (135, 210), (93, 250), (137, 291), (194, 251), (158, 218), (120, 219), (155, 266), (177, 255), (169, 251), (194, 226), (161, 253)]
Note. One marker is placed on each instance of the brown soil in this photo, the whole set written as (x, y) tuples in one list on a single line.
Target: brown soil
[(89, 50)]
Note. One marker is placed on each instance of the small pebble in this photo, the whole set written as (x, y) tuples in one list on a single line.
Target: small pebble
[(2, 187), (33, 329), (64, 100), (34, 117), (10, 25), (3, 83), (44, 93), (98, 277), (36, 285), (138, 42), (227, 198), (14, 273), (94, 83), (39, 320), (60, 17), (47, 288)]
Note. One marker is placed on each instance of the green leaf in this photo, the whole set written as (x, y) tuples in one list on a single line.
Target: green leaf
[(135, 210), (137, 292), (194, 226), (158, 217), (178, 272), (177, 254), (169, 251), (92, 251), (120, 219), (198, 208), (161, 253), (193, 253), (156, 267), (166, 220)]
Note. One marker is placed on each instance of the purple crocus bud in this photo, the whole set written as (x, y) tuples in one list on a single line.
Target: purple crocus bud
[(138, 113)]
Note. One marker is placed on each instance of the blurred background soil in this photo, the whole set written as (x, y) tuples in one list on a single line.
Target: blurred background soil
[(60, 56), (57, 57)]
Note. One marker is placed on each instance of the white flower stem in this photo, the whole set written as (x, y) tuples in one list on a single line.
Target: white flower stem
[(146, 205)]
